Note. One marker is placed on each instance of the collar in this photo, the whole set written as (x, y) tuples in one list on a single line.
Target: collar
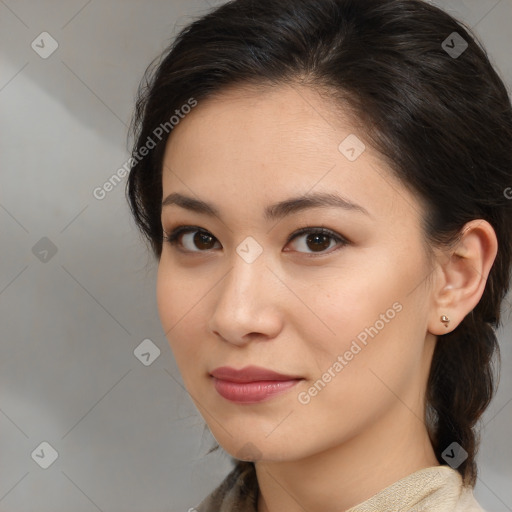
[(433, 489)]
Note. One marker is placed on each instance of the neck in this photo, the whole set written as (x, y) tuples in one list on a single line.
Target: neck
[(348, 474)]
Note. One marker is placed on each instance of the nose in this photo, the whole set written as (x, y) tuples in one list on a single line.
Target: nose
[(247, 305)]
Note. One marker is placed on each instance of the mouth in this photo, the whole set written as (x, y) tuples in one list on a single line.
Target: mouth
[(251, 384)]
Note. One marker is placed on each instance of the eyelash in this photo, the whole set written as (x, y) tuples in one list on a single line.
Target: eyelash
[(172, 238)]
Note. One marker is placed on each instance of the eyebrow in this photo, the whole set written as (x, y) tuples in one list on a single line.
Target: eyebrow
[(272, 212)]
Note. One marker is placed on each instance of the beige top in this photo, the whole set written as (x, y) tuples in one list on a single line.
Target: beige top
[(434, 489)]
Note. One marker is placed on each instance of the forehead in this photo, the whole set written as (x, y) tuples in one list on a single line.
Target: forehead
[(266, 120), (276, 142)]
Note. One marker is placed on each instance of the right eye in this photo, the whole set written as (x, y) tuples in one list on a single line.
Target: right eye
[(193, 235)]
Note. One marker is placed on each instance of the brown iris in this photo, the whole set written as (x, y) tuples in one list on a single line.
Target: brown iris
[(315, 238), (203, 240)]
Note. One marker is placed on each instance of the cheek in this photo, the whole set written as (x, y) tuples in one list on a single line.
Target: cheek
[(165, 297), (379, 331), (349, 302), (361, 373), (370, 314), (177, 294), (177, 304), (368, 285)]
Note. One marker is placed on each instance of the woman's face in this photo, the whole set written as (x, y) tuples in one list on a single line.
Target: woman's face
[(348, 317)]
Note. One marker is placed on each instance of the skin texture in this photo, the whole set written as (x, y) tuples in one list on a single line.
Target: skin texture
[(300, 305)]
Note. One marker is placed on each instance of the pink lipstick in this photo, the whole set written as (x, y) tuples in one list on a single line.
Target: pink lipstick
[(251, 384)]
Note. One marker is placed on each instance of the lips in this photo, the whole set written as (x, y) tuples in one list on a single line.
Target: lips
[(251, 384), (250, 374)]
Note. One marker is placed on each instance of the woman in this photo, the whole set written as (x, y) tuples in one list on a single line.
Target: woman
[(324, 184)]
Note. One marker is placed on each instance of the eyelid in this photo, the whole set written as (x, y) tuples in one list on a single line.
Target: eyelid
[(317, 230), (175, 233), (172, 237)]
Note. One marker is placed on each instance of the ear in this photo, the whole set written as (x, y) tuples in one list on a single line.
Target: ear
[(461, 274)]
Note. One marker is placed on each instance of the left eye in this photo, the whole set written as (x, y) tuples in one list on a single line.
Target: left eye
[(317, 239)]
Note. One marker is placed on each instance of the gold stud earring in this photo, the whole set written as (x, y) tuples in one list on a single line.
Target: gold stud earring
[(445, 320)]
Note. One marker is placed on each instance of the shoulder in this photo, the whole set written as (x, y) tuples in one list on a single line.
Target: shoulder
[(433, 489), (467, 502)]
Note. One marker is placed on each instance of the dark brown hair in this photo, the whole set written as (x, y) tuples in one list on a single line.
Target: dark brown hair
[(442, 120)]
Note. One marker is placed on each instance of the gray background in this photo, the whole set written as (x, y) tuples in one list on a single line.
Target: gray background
[(127, 435)]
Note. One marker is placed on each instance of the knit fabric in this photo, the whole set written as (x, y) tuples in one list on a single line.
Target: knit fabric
[(434, 489)]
